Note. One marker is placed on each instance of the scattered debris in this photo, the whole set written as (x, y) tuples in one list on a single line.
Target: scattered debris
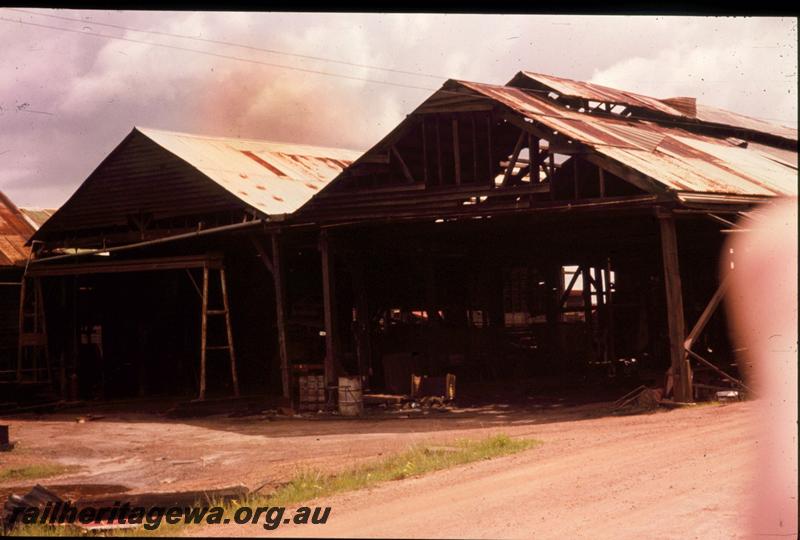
[(650, 398), (629, 397), (88, 418), (424, 385), (38, 497), (728, 395)]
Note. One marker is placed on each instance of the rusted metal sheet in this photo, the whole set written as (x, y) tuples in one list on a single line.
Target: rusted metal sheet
[(163, 175), (14, 232), (676, 158), (273, 178), (37, 216), (729, 118), (600, 93), (680, 108)]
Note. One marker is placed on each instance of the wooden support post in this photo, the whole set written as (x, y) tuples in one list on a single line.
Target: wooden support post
[(262, 254), (280, 307), (602, 181), (203, 335), (474, 148), (62, 368), (587, 306), (35, 352), (601, 310), (74, 340), (439, 150), (489, 149), (229, 330), (424, 151), (680, 368), (329, 299), (575, 179), (20, 346), (536, 161), (514, 156), (610, 313), (553, 282), (45, 346), (456, 152), (363, 336)]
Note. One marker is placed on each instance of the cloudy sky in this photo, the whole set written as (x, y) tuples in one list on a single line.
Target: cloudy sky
[(74, 83)]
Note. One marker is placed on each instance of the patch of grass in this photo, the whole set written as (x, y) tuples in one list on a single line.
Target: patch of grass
[(44, 530), (31, 472), (417, 460), (310, 484)]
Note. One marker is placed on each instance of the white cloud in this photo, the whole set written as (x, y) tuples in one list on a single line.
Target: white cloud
[(755, 76), (96, 89)]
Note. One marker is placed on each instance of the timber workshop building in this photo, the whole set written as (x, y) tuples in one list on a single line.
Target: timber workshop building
[(542, 228)]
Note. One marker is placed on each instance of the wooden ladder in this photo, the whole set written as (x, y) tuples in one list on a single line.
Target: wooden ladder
[(32, 343), (206, 313)]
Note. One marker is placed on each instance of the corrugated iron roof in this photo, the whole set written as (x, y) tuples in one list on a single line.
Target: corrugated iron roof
[(669, 106), (164, 175), (675, 158), (14, 232), (37, 216), (274, 178), (598, 92), (729, 118)]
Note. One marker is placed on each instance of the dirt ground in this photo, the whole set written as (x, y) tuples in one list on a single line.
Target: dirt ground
[(682, 474), (145, 452), (675, 474)]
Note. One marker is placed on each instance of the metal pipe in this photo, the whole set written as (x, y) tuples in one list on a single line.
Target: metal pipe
[(183, 236)]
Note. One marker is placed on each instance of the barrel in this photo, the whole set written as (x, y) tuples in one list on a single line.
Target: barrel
[(350, 402)]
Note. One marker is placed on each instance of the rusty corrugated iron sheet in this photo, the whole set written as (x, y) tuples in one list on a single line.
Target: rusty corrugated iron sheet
[(274, 178), (675, 158), (165, 175), (37, 216), (680, 108), (729, 118), (14, 232), (598, 92)]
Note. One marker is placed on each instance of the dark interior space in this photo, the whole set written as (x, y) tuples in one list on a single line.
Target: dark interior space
[(490, 300)]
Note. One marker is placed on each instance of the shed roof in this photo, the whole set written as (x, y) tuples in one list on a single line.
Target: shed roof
[(170, 174), (273, 178), (683, 108), (14, 232), (677, 159), (37, 216)]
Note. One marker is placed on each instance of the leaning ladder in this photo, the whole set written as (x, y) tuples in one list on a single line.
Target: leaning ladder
[(32, 343), (206, 313)]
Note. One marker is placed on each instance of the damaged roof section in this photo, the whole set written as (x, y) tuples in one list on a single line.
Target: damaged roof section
[(680, 109), (677, 159)]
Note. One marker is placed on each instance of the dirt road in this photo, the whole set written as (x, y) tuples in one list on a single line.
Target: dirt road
[(679, 474), (124, 452)]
